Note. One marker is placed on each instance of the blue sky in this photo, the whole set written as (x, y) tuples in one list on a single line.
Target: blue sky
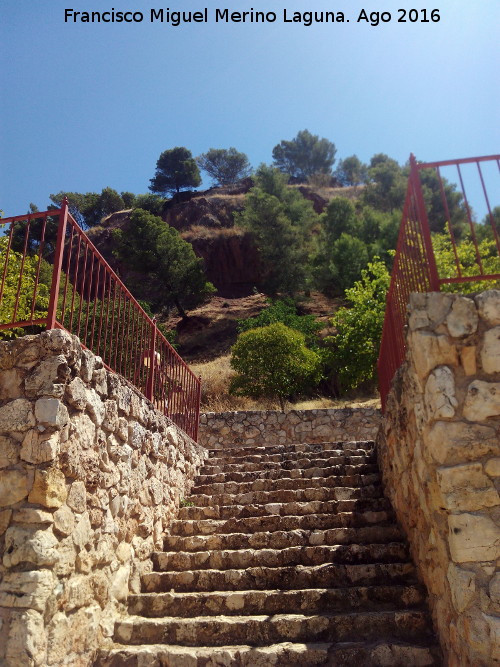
[(85, 106)]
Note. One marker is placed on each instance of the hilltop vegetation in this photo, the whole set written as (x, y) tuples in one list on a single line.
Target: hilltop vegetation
[(303, 225)]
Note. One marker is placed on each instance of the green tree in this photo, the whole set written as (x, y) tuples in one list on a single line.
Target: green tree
[(176, 170), (90, 208), (280, 220), (150, 246), (273, 362), (386, 186), (305, 155), (355, 347), (351, 171), (224, 165)]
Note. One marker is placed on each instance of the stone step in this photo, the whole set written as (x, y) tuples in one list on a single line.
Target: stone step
[(337, 456), (180, 561), (279, 472), (308, 601), (282, 509), (285, 578), (222, 630), (275, 522), (352, 446), (286, 654), (287, 496), (303, 464), (287, 483), (283, 539)]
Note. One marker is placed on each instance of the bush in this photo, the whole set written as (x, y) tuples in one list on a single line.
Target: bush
[(273, 362), (284, 311)]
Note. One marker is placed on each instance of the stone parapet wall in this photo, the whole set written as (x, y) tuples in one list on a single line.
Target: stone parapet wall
[(439, 450), (269, 427), (90, 476)]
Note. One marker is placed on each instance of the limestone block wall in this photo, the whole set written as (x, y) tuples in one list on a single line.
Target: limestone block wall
[(269, 427), (439, 450), (90, 476)]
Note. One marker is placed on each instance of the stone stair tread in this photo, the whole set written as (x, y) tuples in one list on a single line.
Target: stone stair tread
[(180, 561), (295, 577), (283, 538), (242, 451), (287, 495), (273, 522), (284, 654), (295, 508), (304, 465), (280, 473), (264, 629), (289, 457), (215, 603), (352, 481)]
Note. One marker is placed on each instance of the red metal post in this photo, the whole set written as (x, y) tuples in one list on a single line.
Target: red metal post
[(152, 363), (56, 271)]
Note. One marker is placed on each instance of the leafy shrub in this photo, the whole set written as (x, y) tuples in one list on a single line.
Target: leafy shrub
[(466, 252), (273, 362), (284, 311)]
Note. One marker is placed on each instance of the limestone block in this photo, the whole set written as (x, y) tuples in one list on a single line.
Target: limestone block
[(64, 520), (492, 467), (100, 381), (122, 431), (26, 590), (13, 487), (456, 442), (66, 557), (27, 643), (494, 628), (119, 583), (76, 394), (490, 351), (462, 320), (462, 585), (33, 515), (25, 545), (59, 639), (77, 593), (473, 537), (468, 359), (17, 415), (83, 430), (440, 399), (482, 400), (5, 517), (82, 532), (51, 412), (110, 422), (88, 364), (95, 406), (39, 448), (430, 350), (418, 320), (488, 305), (136, 435), (58, 340), (466, 487), (49, 488), (11, 382), (48, 378), (438, 305), (77, 497), (9, 452)]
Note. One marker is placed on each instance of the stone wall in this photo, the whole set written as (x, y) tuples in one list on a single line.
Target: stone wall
[(268, 427), (439, 450), (90, 476)]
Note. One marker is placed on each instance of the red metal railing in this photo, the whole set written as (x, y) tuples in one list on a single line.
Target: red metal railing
[(415, 268), (52, 276)]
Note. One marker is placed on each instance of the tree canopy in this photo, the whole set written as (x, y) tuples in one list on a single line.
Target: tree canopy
[(351, 171), (151, 246), (305, 155), (273, 362), (224, 165), (176, 170)]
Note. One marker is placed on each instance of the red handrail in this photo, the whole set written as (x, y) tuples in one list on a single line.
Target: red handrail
[(52, 276)]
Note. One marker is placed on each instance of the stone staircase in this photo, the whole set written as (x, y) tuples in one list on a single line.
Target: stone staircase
[(285, 555)]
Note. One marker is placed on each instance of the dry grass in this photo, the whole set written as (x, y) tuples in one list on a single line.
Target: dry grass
[(201, 232), (216, 376)]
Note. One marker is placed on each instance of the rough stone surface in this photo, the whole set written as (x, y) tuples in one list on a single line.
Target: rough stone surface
[(261, 427), (80, 510), (439, 450)]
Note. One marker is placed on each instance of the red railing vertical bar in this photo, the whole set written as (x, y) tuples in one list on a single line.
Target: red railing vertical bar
[(21, 270), (471, 223), (424, 222), (56, 271), (39, 264), (7, 258), (152, 363), (67, 276), (444, 199)]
